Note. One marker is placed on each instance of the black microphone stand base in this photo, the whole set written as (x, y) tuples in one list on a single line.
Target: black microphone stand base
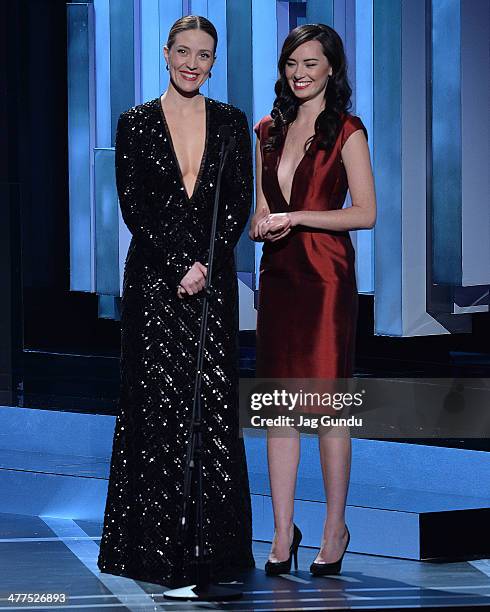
[(211, 592), (204, 590)]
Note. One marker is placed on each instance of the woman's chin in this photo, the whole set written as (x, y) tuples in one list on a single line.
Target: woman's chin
[(186, 88)]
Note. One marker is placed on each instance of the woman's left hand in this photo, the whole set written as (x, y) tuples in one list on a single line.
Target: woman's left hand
[(275, 226), (194, 280)]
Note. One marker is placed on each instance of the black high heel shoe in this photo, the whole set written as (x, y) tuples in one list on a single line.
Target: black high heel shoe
[(274, 568), (326, 569)]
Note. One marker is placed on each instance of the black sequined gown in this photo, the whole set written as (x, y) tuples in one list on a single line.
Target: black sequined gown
[(158, 352)]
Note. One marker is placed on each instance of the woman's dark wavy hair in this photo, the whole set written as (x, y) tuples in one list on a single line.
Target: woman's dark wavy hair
[(337, 92), (192, 22)]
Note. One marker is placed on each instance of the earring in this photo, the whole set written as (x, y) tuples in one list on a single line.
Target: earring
[(166, 66), (210, 74)]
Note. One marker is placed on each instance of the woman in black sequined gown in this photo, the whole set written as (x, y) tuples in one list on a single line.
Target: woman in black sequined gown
[(160, 329)]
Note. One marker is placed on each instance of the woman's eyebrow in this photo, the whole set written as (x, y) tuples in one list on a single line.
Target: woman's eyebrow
[(310, 59), (188, 48)]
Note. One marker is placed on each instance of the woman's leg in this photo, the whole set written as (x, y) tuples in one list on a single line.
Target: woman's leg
[(283, 446), (335, 455)]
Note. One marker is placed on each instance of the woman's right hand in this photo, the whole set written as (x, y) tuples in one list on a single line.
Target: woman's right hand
[(274, 226), (259, 215), (193, 281)]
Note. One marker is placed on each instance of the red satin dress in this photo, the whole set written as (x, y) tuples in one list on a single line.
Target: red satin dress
[(308, 301)]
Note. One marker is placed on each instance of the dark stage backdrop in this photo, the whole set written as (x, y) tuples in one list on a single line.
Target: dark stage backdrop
[(55, 351), (65, 348)]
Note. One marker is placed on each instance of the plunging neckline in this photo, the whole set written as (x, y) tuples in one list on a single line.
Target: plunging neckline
[(279, 158), (189, 198)]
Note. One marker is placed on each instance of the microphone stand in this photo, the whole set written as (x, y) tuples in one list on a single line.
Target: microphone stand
[(203, 590)]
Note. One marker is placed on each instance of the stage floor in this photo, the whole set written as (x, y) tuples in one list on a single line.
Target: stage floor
[(56, 555)]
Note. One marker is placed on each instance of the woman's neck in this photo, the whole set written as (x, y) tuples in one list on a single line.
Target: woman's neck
[(183, 101), (309, 110)]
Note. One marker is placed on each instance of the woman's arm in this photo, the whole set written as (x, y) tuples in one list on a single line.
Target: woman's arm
[(261, 206), (140, 218), (362, 213)]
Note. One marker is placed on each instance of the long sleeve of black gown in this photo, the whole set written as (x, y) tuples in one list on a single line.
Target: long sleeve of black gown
[(160, 240)]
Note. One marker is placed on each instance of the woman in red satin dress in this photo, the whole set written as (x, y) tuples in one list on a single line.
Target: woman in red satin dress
[(310, 150)]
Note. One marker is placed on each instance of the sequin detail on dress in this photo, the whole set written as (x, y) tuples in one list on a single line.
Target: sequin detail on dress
[(159, 335)]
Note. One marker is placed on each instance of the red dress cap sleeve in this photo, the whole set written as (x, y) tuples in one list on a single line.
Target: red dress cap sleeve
[(351, 124)]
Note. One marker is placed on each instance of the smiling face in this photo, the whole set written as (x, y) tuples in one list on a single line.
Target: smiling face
[(190, 59), (307, 70)]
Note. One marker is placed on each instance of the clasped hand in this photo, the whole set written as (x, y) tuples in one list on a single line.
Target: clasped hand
[(194, 281), (264, 226), (270, 226)]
